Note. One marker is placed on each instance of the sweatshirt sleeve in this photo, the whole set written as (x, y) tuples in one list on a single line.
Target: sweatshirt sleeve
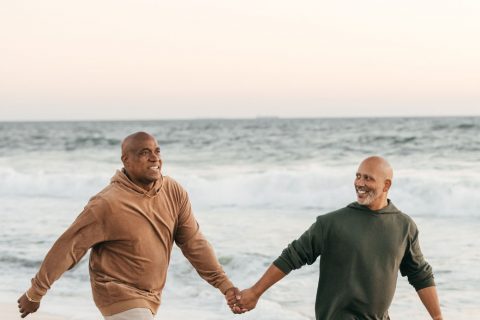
[(304, 250), (197, 249), (414, 266), (66, 252)]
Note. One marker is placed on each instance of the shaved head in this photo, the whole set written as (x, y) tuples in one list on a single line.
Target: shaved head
[(373, 181), (141, 159), (381, 166), (130, 142)]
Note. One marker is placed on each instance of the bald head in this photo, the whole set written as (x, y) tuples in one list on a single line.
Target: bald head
[(380, 166), (373, 181), (131, 142), (141, 159)]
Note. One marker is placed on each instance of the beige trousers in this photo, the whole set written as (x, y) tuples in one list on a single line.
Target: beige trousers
[(132, 314)]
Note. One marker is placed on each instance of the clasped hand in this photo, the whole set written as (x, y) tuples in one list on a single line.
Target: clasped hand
[(241, 301)]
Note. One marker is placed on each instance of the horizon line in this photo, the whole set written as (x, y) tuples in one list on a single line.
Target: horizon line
[(273, 117)]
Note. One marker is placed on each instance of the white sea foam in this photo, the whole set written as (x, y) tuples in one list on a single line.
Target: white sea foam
[(308, 187)]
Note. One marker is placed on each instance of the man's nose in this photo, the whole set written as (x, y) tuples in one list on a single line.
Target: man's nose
[(360, 182), (155, 157)]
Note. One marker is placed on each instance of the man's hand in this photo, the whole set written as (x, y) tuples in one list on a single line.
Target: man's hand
[(248, 299), (26, 306), (232, 295)]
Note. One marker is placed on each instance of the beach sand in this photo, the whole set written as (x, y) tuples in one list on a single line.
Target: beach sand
[(9, 311)]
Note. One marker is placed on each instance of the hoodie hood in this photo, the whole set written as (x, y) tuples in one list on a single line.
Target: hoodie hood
[(124, 182), (389, 209)]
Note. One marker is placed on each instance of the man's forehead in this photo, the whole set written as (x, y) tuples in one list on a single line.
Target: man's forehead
[(139, 142), (368, 168), (366, 172), (145, 143), (371, 168), (375, 166)]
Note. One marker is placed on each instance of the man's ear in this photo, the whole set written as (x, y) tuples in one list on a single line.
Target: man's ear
[(388, 184), (124, 158)]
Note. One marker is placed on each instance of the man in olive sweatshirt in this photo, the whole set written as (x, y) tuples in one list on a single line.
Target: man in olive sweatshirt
[(362, 248), (130, 226)]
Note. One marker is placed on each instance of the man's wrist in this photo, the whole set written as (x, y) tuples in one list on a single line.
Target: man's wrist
[(31, 299), (257, 291), (231, 288)]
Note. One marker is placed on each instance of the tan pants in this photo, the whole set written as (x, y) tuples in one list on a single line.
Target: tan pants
[(132, 314)]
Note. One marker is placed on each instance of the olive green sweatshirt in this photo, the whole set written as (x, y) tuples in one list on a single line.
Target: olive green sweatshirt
[(361, 252), (131, 233)]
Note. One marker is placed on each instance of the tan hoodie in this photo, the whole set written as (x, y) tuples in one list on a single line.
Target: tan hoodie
[(131, 233)]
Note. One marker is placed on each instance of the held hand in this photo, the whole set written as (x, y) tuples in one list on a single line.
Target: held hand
[(26, 306), (232, 295), (248, 299)]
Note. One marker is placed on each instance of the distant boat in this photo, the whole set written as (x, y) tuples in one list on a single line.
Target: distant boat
[(266, 117)]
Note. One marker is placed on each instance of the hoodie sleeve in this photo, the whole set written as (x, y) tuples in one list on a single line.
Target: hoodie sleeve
[(197, 249), (304, 250), (66, 252), (414, 266)]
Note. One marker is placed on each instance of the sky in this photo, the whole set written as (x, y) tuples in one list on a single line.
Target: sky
[(146, 59)]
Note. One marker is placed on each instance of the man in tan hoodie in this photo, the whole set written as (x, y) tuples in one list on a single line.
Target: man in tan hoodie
[(130, 226)]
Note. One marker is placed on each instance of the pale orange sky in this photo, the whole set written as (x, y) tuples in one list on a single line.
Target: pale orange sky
[(198, 59)]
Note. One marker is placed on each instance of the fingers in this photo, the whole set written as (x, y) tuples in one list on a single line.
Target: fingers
[(234, 306), (233, 303), (24, 312), (232, 296), (231, 292), (26, 307), (231, 300), (234, 299), (236, 291), (237, 296), (238, 310)]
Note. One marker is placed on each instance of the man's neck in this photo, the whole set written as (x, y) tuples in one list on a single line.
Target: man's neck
[(375, 206), (146, 187)]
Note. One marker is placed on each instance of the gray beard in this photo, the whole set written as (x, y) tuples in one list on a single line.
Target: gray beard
[(371, 196)]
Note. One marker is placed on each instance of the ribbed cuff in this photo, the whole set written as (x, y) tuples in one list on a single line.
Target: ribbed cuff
[(424, 284), (281, 264), (227, 284), (32, 294)]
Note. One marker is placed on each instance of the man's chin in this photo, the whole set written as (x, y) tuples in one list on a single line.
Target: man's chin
[(154, 178), (363, 202)]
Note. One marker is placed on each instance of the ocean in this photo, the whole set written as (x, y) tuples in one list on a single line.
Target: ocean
[(255, 185)]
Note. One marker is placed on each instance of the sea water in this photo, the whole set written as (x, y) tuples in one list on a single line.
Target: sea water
[(255, 185)]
